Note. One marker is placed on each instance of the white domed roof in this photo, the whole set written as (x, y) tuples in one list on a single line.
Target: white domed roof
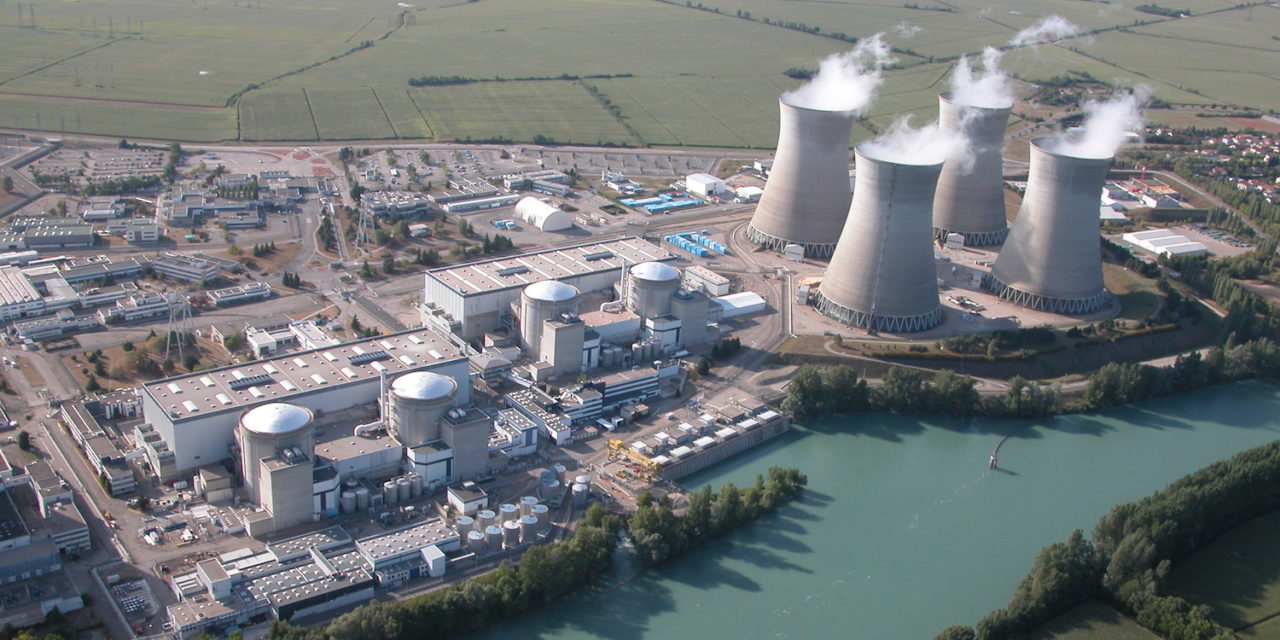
[(424, 385), (551, 291), (276, 418), (655, 271)]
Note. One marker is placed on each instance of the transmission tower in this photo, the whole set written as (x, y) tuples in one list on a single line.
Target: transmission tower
[(364, 230), (179, 325)]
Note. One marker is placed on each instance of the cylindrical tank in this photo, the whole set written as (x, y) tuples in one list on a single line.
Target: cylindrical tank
[(390, 493), (487, 518), (404, 489), (562, 472), (476, 542), (582, 479), (511, 533), (1052, 260), (526, 505), (549, 490), (348, 502), (651, 287), (539, 302), (362, 499), (547, 474), (493, 537), (418, 401), (416, 484), (508, 512), (464, 524), (882, 275), (580, 493), (969, 199), (541, 511), (806, 199), (528, 529), (269, 430)]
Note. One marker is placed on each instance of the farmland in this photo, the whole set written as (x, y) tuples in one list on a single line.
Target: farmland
[(640, 72), (1092, 621), (1238, 575)]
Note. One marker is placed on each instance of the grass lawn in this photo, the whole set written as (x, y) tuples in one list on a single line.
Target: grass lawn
[(1092, 621), (1138, 296), (1238, 575)]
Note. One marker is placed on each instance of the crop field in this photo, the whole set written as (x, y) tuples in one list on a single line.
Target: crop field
[(205, 70), (1238, 574), (1092, 621)]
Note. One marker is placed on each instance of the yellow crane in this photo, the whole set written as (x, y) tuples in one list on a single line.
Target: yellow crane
[(619, 450)]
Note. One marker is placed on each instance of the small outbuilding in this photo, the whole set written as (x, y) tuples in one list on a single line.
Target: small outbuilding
[(704, 184)]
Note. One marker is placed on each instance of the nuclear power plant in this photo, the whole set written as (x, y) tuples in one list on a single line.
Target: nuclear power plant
[(969, 199), (806, 199), (881, 276), (1052, 259)]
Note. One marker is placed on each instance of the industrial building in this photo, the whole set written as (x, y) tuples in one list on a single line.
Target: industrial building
[(1165, 242), (180, 208), (250, 292), (704, 184), (969, 199), (192, 417), (43, 233), (882, 275), (475, 298), (1052, 260), (806, 199), (190, 267), (543, 215), (407, 204)]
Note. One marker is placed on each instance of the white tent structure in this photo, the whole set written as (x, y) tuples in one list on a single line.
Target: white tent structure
[(542, 215)]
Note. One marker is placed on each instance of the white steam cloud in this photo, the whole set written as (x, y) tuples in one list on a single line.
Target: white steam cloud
[(845, 81), (905, 144), (1107, 125), (988, 88), (1048, 29), (907, 30)]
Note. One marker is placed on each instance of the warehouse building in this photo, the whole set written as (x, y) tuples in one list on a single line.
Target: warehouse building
[(704, 184), (194, 415), (543, 215), (475, 298), (1165, 242), (250, 292), (190, 267)]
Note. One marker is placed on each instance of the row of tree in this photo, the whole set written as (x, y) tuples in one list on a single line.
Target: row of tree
[(1133, 549)]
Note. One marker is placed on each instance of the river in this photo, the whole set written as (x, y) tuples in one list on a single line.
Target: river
[(903, 530)]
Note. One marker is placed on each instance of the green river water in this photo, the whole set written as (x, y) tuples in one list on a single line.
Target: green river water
[(903, 530)]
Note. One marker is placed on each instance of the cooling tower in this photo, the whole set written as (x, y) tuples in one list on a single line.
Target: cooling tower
[(882, 274), (806, 198), (1052, 260), (970, 196)]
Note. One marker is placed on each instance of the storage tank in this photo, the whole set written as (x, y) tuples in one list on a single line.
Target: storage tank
[(582, 479), (362, 499), (508, 512), (493, 537), (526, 505), (541, 511), (1052, 260), (418, 401), (415, 484), (476, 542), (561, 471), (487, 518), (580, 493), (650, 288), (547, 474), (549, 490), (390, 493), (539, 302), (969, 199), (528, 529), (348, 502), (404, 489), (806, 198), (511, 533), (882, 275), (267, 429), (464, 524)]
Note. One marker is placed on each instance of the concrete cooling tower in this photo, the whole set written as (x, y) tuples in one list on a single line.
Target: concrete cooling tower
[(1052, 260), (882, 275), (418, 401), (806, 198), (970, 196)]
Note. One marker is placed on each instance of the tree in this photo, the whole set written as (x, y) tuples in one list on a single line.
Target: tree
[(91, 385), (389, 264), (24, 441), (356, 192), (6, 183), (234, 341), (190, 361), (704, 366)]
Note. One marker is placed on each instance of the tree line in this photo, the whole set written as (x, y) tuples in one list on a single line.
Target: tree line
[(441, 81), (1134, 547)]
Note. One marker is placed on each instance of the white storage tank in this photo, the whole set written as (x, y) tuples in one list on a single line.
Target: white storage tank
[(652, 285), (528, 529), (348, 502), (475, 542), (418, 401), (268, 428), (404, 489), (508, 512), (362, 499), (390, 493), (487, 518), (526, 505), (580, 493), (583, 479), (493, 537), (541, 512), (539, 302), (511, 533), (464, 524)]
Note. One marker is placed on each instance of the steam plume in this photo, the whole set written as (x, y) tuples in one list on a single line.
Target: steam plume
[(1106, 125), (905, 144), (1048, 29), (987, 88), (845, 81), (907, 30)]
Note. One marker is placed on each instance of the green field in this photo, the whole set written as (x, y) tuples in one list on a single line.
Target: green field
[(1092, 621), (206, 70), (1238, 575)]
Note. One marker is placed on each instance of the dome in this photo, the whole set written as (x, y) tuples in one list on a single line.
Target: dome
[(655, 271), (276, 418), (424, 385), (551, 291)]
